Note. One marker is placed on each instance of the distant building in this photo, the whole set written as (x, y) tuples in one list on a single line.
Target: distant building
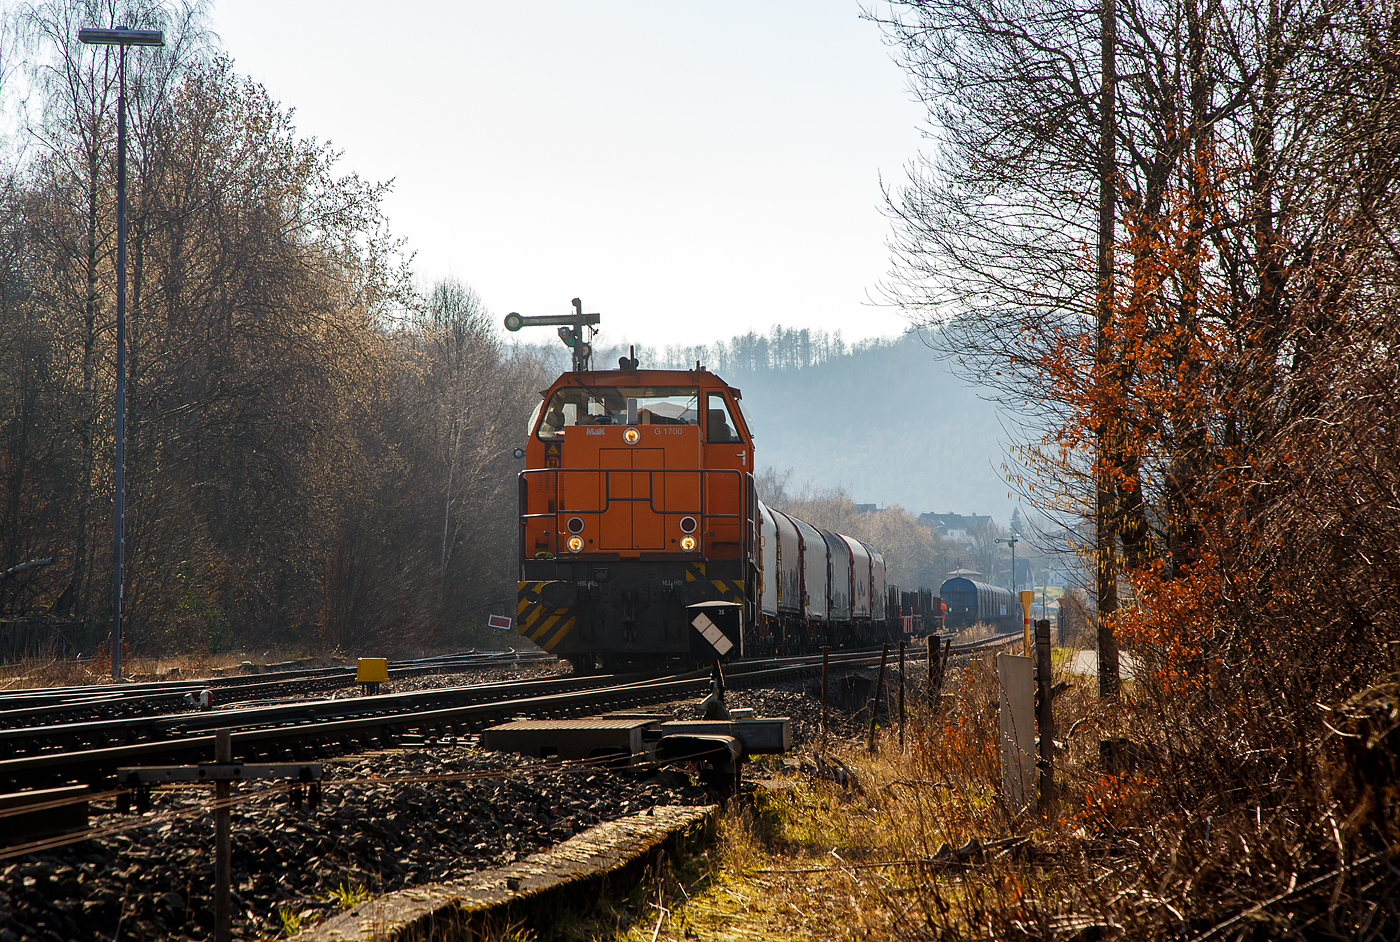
[(867, 508), (956, 527)]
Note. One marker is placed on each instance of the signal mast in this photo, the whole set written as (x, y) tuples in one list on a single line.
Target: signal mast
[(570, 330)]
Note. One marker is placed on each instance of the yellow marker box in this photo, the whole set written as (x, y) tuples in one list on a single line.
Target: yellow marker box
[(372, 670)]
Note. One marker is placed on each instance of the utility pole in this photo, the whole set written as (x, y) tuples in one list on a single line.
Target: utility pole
[(1106, 582), (1015, 538), (121, 37)]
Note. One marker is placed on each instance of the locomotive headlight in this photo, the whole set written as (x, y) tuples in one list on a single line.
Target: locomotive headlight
[(631, 436), (687, 524), (688, 544), (575, 524), (575, 544)]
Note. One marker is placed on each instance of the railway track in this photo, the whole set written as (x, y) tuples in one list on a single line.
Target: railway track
[(89, 752), (409, 816), (44, 706)]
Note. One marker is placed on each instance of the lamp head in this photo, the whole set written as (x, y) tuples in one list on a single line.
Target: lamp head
[(121, 36)]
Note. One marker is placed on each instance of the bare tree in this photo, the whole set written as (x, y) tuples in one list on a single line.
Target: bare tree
[(1218, 129), (986, 553), (74, 138), (1244, 415)]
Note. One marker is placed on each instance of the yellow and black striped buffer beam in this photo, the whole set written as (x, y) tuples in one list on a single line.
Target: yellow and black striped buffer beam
[(547, 627), (731, 590)]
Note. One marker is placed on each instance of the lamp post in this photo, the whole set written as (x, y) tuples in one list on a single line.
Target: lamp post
[(121, 37), (1015, 538)]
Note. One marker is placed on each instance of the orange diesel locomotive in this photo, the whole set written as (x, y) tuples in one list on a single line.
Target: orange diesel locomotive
[(642, 539)]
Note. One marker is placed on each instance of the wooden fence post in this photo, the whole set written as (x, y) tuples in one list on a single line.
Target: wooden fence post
[(935, 648), (826, 656), (901, 695), (879, 693), (1045, 715)]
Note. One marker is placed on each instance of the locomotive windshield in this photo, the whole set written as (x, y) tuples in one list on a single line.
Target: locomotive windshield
[(609, 405)]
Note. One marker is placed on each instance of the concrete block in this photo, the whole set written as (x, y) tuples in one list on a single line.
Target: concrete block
[(527, 891), (56, 811)]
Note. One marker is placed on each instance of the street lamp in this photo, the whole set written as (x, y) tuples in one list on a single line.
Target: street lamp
[(121, 37), (1015, 538)]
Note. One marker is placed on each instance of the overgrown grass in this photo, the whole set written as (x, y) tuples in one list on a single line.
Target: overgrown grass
[(291, 921), (1165, 849)]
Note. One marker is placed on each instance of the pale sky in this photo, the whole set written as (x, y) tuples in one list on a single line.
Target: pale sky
[(691, 170)]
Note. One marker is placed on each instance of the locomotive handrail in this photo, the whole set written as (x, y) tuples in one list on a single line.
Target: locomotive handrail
[(608, 497)]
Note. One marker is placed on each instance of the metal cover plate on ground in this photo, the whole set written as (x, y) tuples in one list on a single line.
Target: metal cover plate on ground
[(759, 735), (568, 739)]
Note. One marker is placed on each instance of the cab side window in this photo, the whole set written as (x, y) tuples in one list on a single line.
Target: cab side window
[(556, 417), (719, 425)]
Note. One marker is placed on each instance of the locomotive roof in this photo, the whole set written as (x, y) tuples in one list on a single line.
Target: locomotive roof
[(597, 378)]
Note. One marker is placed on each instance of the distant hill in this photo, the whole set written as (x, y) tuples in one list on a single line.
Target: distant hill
[(891, 423), (886, 419)]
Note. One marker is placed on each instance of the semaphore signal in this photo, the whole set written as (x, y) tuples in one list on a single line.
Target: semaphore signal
[(570, 330)]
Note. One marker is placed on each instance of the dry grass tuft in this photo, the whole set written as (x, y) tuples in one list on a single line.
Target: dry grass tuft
[(66, 672)]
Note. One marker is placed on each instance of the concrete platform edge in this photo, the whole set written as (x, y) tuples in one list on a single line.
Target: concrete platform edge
[(529, 891)]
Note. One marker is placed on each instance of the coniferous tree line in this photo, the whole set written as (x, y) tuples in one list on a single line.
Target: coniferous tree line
[(318, 452), (781, 349)]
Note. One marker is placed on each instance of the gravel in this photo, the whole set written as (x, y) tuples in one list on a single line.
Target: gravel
[(156, 881), (850, 692), (478, 675)]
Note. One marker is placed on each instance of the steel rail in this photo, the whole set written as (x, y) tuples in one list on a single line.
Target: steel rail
[(16, 743), (22, 740), (268, 673), (19, 711)]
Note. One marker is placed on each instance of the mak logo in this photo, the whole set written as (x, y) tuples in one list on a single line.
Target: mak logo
[(595, 431)]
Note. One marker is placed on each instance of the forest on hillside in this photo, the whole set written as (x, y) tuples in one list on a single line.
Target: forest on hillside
[(887, 420), (318, 449)]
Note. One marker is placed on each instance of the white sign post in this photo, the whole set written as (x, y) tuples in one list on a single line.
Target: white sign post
[(1015, 675)]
